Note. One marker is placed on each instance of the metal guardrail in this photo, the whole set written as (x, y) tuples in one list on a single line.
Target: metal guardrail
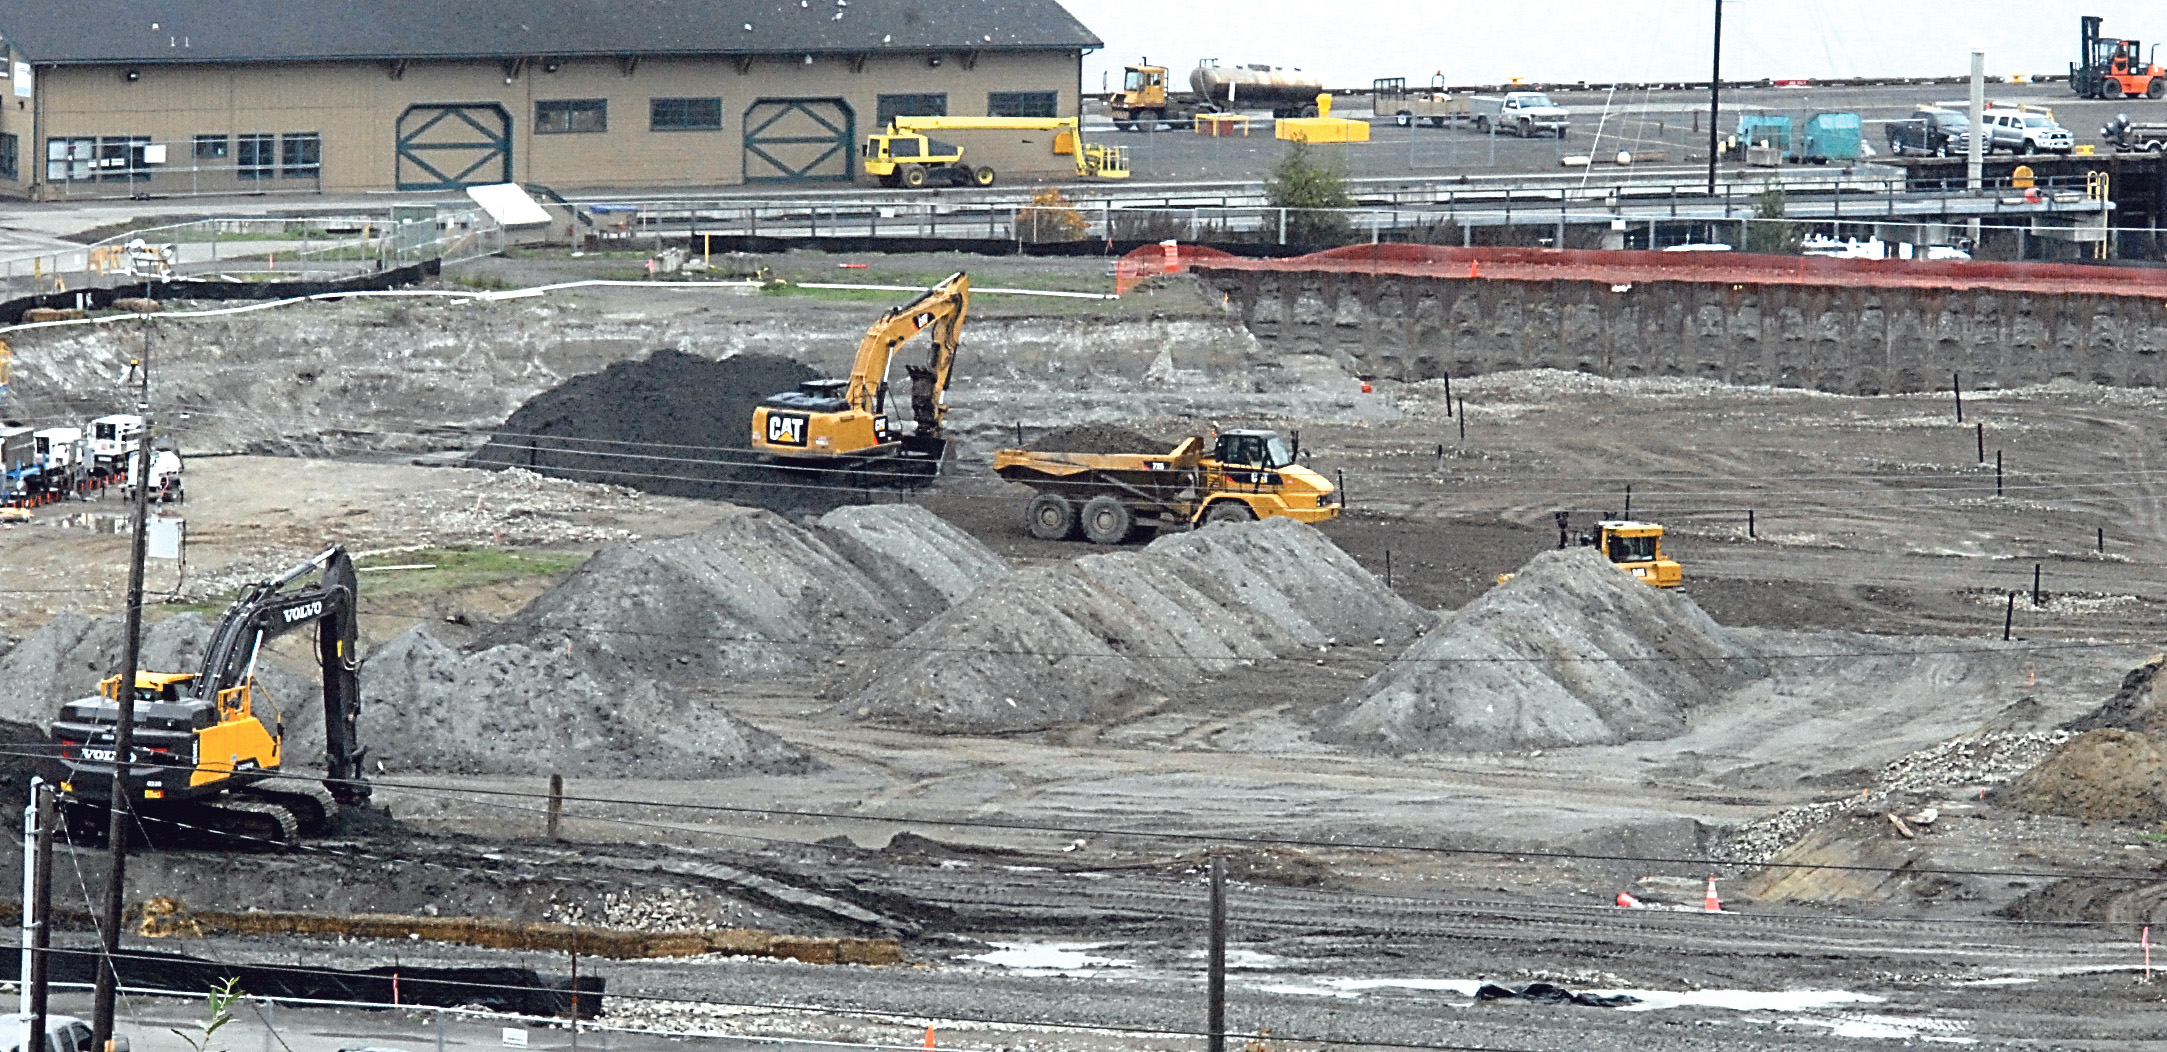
[(323, 247)]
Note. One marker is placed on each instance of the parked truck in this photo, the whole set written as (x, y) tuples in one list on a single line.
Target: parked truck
[(1521, 113), (1147, 99), (1111, 498), (1389, 97)]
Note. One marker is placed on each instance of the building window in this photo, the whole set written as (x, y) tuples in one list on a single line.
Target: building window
[(120, 158), (933, 104), (684, 115), (69, 160), (11, 157), (564, 116), (1023, 104), (300, 155), (255, 156), (213, 147)]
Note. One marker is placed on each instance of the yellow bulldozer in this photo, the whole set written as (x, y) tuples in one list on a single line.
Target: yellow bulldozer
[(1636, 548)]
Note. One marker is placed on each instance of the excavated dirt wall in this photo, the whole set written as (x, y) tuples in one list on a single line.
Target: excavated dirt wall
[(422, 376), (1846, 341)]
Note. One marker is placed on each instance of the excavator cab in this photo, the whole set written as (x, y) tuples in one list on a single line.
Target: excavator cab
[(1636, 548)]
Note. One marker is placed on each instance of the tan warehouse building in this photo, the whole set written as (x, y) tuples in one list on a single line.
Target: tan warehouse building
[(124, 97)]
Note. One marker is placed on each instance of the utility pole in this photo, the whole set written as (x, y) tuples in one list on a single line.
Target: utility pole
[(116, 836), (41, 906), (1715, 103), (1975, 150)]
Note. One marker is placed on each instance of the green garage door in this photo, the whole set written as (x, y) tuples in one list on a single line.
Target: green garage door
[(799, 140), (451, 145)]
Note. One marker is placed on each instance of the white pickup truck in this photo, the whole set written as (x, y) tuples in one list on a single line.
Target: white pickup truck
[(1521, 113)]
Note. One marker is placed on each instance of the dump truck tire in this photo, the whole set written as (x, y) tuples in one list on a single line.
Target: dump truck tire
[(1106, 520), (982, 176), (1051, 517), (1228, 511)]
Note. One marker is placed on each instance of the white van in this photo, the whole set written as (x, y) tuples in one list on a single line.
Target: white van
[(63, 1033)]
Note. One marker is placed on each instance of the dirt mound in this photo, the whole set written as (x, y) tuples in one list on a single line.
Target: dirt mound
[(671, 423), (2109, 774), (2137, 706), (2088, 899), (1051, 645), (1569, 652), (518, 710), (909, 546), (753, 597), (1098, 438)]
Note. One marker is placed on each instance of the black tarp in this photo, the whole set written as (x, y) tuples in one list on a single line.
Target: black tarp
[(11, 311), (519, 991)]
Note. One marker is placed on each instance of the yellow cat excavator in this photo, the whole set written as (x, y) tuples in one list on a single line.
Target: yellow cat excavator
[(836, 422), (202, 760)]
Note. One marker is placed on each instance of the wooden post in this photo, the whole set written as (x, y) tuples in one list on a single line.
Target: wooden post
[(2009, 617), (2035, 585), (1215, 959), (1997, 473), (1956, 385), (1981, 428), (556, 803)]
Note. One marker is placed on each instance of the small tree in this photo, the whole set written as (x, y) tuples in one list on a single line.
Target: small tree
[(1310, 189), (1769, 232), (1051, 217), (220, 1006)]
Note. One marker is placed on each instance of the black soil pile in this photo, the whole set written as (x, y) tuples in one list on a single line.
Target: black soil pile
[(675, 424), (1098, 438)]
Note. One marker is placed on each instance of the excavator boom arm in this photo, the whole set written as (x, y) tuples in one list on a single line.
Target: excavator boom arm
[(941, 308), (272, 609)]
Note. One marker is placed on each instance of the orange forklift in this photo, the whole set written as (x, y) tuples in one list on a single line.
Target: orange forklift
[(2114, 69)]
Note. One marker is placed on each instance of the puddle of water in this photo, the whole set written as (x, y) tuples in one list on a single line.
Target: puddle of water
[(1050, 958), (1741, 1000)]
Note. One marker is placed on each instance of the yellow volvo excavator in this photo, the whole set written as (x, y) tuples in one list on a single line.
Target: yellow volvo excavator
[(846, 421), (202, 759)]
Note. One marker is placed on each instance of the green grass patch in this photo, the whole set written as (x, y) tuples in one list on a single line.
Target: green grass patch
[(451, 569)]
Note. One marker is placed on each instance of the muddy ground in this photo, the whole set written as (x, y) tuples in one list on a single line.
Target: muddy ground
[(1869, 514)]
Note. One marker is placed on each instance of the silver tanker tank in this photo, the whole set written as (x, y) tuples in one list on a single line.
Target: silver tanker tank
[(1288, 92)]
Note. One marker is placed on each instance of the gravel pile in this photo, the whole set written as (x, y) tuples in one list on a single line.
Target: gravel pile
[(514, 709), (2136, 706), (661, 910), (1976, 760), (754, 596), (670, 423), (1569, 652), (1052, 645), (1098, 438)]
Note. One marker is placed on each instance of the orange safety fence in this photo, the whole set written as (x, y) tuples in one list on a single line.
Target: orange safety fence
[(1166, 257), (1628, 267)]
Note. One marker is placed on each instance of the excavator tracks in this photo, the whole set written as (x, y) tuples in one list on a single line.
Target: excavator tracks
[(310, 804), (245, 823)]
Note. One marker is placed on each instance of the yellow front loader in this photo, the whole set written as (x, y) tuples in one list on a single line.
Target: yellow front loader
[(904, 155)]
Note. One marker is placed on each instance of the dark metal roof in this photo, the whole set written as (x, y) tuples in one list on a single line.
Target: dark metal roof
[(154, 31)]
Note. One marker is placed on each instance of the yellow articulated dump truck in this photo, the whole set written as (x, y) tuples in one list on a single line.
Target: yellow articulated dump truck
[(1111, 498)]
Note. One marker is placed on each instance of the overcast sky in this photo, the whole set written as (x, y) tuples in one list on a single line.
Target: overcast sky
[(1352, 42)]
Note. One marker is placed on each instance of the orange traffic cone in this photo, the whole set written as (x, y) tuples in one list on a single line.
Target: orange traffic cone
[(929, 1039), (1712, 904)]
